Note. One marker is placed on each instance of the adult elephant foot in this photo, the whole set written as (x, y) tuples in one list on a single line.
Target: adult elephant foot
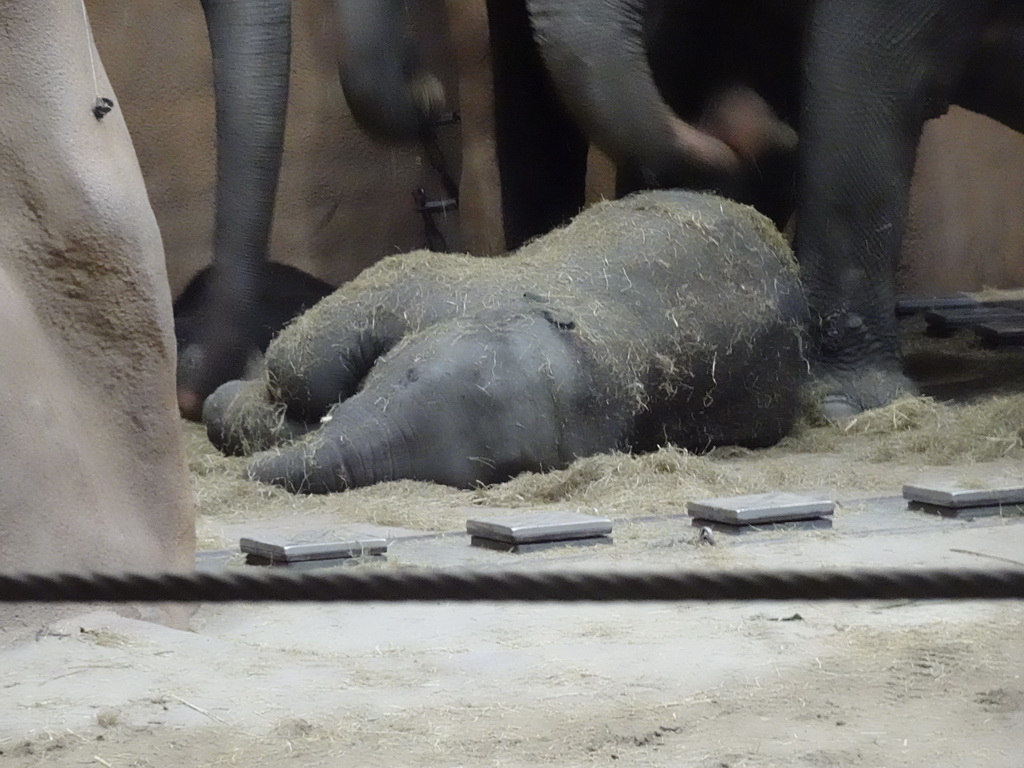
[(665, 317), (284, 293), (843, 394), (855, 363)]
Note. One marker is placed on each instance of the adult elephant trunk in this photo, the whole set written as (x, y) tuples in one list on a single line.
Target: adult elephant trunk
[(251, 45), (596, 54), (389, 96)]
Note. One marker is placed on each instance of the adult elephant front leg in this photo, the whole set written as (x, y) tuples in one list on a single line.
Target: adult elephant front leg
[(251, 44), (875, 70)]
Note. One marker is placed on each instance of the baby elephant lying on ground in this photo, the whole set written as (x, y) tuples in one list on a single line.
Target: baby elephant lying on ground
[(665, 317)]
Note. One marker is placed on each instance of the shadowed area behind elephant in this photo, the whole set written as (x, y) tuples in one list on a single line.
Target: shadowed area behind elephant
[(665, 317), (285, 292)]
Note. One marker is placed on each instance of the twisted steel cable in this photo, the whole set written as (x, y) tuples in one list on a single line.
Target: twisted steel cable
[(271, 585)]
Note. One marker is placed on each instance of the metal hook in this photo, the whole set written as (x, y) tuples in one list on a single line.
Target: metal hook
[(102, 106)]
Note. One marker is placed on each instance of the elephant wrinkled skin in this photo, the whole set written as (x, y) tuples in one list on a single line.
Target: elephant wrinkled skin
[(92, 471), (876, 70), (665, 317)]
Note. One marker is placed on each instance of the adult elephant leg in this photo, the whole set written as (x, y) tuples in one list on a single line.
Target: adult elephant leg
[(875, 69), (251, 44), (390, 97), (92, 472)]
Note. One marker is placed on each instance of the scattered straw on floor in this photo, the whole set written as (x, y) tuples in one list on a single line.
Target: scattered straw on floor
[(874, 453)]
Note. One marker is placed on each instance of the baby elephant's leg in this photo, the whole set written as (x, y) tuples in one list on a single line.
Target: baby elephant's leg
[(469, 401)]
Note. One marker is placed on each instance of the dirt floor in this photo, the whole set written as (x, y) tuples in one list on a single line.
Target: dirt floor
[(903, 683)]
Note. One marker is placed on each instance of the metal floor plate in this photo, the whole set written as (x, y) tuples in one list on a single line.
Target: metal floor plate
[(313, 545), (954, 495), (532, 527), (761, 508), (537, 546)]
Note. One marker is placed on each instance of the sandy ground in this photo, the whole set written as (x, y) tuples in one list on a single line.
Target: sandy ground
[(756, 684)]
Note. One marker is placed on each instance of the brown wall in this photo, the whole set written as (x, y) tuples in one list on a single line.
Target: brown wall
[(344, 200), (966, 229)]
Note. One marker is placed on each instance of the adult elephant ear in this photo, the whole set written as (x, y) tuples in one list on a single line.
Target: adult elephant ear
[(389, 95)]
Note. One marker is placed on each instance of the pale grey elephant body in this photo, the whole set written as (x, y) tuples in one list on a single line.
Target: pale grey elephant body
[(92, 471), (666, 317)]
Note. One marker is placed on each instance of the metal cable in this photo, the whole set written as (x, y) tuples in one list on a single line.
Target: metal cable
[(272, 585)]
